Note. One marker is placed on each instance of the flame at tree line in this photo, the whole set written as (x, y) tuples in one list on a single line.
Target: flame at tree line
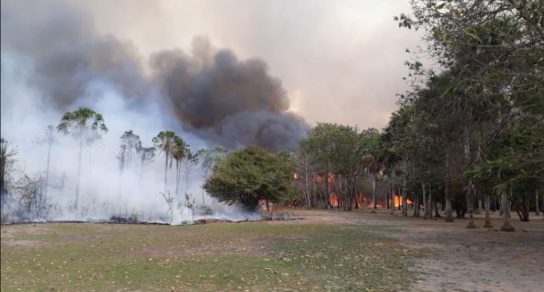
[(363, 200)]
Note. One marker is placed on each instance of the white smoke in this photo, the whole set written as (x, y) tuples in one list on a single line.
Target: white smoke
[(104, 191)]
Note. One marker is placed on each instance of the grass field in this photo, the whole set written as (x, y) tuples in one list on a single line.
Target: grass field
[(255, 256)]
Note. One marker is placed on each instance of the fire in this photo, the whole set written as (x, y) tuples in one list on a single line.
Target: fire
[(398, 201)]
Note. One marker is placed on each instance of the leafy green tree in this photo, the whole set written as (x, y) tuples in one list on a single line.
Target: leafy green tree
[(248, 175), (85, 126), (335, 150)]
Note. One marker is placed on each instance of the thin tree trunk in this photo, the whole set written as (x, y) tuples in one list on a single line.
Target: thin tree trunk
[(430, 204), (479, 210), (373, 193), (165, 170), (436, 212), (178, 178), (470, 205), (399, 195), (404, 203), (76, 202), (506, 226), (46, 187), (487, 204), (537, 210), (415, 203), (327, 194), (392, 201), (449, 210), (425, 205)]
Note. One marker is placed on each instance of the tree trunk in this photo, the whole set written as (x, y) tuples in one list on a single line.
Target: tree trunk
[(487, 223), (46, 186), (373, 193), (479, 210), (399, 195), (430, 202), (449, 209), (165, 170), (404, 203), (268, 217), (327, 194), (505, 207), (76, 201), (392, 201), (537, 210), (178, 178), (436, 212), (415, 203), (425, 202), (470, 205)]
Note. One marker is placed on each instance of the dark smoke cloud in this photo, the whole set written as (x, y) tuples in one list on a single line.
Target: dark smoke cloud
[(67, 54), (234, 102), (222, 99)]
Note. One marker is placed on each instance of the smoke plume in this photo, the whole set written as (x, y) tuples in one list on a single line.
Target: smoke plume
[(226, 100), (218, 97)]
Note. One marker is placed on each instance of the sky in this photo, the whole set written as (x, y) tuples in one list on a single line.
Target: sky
[(340, 61)]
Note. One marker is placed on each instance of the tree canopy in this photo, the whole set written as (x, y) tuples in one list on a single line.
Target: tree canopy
[(248, 175)]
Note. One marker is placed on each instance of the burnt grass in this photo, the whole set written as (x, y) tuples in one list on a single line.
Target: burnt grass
[(255, 256)]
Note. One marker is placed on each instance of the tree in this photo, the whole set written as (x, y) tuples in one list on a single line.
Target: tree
[(180, 152), (208, 158), (248, 175), (130, 145), (492, 84), (6, 161), (49, 139), (85, 126), (335, 152), (165, 142), (371, 151)]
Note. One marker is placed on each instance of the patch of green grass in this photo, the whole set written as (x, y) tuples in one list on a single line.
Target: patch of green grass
[(254, 256)]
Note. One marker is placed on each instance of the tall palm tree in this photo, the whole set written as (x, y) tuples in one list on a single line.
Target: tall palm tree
[(130, 144), (85, 126), (165, 142), (179, 153), (49, 139)]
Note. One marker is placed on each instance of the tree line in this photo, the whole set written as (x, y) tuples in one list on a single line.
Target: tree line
[(469, 133)]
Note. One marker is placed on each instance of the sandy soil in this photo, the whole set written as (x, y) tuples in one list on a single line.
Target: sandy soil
[(460, 259)]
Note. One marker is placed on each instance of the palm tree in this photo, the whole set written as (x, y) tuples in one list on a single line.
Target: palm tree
[(179, 153), (50, 140), (130, 143), (85, 126), (165, 141)]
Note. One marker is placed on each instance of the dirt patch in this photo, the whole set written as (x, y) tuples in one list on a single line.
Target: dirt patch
[(460, 259)]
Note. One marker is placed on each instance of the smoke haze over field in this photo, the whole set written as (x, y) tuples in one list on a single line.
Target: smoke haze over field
[(54, 61)]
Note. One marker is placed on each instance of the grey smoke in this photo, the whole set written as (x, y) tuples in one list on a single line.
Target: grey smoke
[(68, 55), (233, 102), (214, 95)]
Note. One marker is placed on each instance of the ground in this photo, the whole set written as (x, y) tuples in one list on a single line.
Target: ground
[(326, 250)]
